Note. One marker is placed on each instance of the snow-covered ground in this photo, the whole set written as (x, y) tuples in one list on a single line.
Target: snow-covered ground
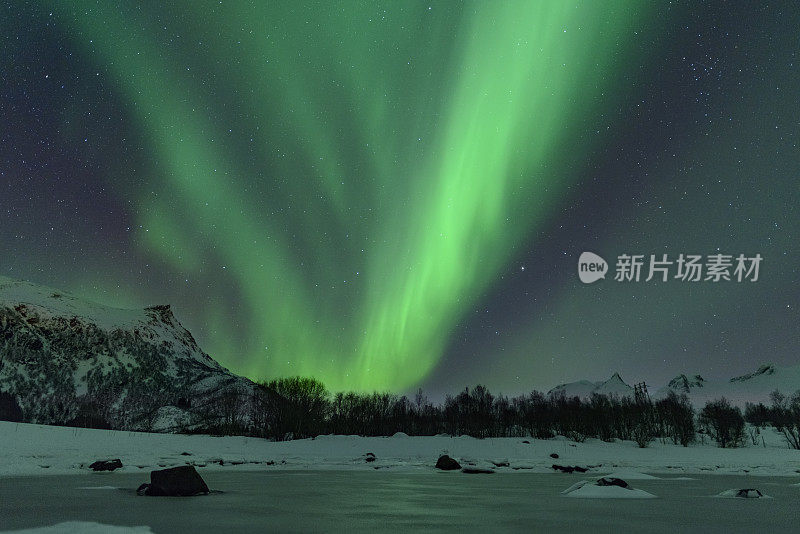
[(27, 449)]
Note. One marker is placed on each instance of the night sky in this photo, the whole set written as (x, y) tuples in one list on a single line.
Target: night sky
[(392, 195)]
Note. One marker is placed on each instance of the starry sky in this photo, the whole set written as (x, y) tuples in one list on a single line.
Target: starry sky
[(392, 195)]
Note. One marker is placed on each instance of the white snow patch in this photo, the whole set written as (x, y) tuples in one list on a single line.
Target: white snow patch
[(588, 489), (49, 302)]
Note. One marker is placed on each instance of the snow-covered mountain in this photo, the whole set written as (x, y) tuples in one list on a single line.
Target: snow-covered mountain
[(66, 359), (753, 387), (584, 388), (685, 384)]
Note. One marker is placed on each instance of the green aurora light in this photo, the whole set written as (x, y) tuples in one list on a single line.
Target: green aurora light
[(361, 172)]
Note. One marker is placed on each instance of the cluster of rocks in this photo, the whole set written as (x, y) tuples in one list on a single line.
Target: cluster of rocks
[(185, 481)]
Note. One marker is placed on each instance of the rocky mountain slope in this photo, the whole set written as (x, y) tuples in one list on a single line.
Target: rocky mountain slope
[(67, 360)]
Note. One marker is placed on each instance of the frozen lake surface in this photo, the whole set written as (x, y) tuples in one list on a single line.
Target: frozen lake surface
[(390, 501)]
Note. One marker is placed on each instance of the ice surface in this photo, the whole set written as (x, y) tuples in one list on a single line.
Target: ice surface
[(370, 501), (81, 527)]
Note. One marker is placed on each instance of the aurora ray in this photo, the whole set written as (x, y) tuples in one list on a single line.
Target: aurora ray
[(360, 174)]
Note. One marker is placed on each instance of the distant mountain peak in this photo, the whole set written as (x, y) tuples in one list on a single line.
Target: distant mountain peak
[(764, 370), (685, 384), (615, 385), (615, 378)]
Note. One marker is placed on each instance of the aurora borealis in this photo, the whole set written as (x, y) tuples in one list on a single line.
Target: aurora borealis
[(386, 195)]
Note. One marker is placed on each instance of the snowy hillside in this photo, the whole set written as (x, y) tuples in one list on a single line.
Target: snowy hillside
[(584, 389), (68, 359)]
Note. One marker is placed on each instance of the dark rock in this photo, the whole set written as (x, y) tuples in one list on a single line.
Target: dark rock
[(370, 457), (501, 463), (106, 465), (184, 453), (183, 481), (9, 408), (569, 468), (446, 463), (472, 470), (750, 493), (526, 441), (611, 481), (554, 456)]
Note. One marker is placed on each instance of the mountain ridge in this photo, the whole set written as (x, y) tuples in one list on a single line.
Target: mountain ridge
[(66, 358), (752, 387)]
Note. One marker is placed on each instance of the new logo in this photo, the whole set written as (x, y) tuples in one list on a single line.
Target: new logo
[(591, 267)]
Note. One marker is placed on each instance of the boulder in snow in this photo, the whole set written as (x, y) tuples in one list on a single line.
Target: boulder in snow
[(747, 493), (106, 465), (611, 481), (183, 481), (445, 463), (569, 468)]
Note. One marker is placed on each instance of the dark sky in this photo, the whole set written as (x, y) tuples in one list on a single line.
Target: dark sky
[(388, 195)]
